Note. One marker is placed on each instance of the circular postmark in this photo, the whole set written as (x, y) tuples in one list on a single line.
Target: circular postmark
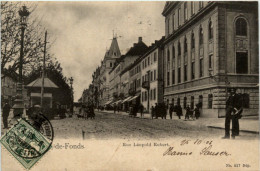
[(31, 138)]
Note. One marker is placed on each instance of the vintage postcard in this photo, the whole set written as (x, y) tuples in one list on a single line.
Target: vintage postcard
[(129, 85)]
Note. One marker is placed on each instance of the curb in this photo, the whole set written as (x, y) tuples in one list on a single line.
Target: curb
[(247, 131)]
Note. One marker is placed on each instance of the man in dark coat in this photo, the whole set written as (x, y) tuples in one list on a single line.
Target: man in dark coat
[(171, 110), (6, 111), (179, 111), (233, 105)]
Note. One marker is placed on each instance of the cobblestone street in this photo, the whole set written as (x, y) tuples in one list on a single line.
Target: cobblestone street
[(109, 125)]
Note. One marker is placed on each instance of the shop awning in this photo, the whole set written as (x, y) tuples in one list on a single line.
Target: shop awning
[(126, 99), (133, 98), (116, 102), (108, 102)]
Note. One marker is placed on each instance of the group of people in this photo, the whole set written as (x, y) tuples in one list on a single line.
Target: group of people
[(190, 113), (88, 111)]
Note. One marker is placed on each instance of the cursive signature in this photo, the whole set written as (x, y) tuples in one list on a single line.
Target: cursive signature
[(207, 152), (171, 152)]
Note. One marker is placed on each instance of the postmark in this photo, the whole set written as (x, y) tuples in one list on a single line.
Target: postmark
[(26, 143)]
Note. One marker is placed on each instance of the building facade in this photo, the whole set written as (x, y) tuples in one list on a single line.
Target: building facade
[(106, 65), (210, 47), (152, 76), (118, 81)]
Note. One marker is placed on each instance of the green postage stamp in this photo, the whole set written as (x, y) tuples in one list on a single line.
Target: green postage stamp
[(25, 143)]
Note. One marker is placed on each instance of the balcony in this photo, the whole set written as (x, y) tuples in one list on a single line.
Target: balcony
[(146, 85)]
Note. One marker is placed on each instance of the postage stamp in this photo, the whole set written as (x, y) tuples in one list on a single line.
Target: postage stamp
[(26, 143)]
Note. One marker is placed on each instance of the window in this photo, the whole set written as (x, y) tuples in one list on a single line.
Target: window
[(179, 48), (200, 4), (154, 74), (155, 56), (179, 74), (185, 45), (185, 72), (241, 27), (148, 60), (173, 54), (151, 76), (192, 41), (192, 70), (155, 94), (192, 102), (201, 67), (179, 17), (210, 61), (185, 11), (168, 55), (151, 94), (111, 65), (210, 30), (201, 36), (178, 101), (185, 102), (173, 17), (168, 78), (168, 26), (210, 100), (245, 100), (173, 77), (200, 101), (192, 8), (241, 62)]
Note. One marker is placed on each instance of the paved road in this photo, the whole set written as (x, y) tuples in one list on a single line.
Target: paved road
[(109, 125)]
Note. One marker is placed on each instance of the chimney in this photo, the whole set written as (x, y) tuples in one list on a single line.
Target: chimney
[(139, 39)]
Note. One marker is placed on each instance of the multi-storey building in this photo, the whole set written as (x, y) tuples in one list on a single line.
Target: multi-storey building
[(106, 65), (210, 47), (152, 75), (122, 66)]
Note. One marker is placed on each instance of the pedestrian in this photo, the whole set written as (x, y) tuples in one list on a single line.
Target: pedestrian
[(197, 111), (187, 116), (179, 110), (6, 111), (141, 107), (171, 110), (156, 108), (153, 111), (233, 112), (114, 108)]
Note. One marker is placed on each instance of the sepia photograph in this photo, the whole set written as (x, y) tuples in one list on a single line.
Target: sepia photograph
[(129, 85)]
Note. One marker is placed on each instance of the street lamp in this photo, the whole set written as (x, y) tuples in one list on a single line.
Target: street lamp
[(18, 103), (71, 82)]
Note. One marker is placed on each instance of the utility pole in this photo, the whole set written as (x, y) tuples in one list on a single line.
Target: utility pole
[(43, 70)]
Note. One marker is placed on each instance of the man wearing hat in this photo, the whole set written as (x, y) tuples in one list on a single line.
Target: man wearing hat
[(5, 114), (233, 106)]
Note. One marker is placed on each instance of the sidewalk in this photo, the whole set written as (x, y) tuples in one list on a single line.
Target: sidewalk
[(247, 124)]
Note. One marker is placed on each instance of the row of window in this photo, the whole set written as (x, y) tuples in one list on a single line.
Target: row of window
[(176, 22), (152, 76), (192, 42), (149, 60), (245, 101), (152, 95), (135, 70)]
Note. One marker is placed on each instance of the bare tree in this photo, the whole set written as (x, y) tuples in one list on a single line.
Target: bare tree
[(10, 39)]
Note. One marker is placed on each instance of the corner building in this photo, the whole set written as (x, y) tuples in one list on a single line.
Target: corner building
[(210, 47)]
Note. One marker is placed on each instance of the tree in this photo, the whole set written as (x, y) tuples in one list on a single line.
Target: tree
[(10, 38), (54, 73)]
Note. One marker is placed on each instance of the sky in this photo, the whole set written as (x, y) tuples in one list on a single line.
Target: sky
[(84, 30)]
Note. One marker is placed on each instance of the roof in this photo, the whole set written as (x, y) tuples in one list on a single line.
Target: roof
[(38, 83), (138, 49), (114, 51), (168, 6)]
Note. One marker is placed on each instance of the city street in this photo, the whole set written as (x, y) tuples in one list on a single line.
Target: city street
[(108, 125)]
